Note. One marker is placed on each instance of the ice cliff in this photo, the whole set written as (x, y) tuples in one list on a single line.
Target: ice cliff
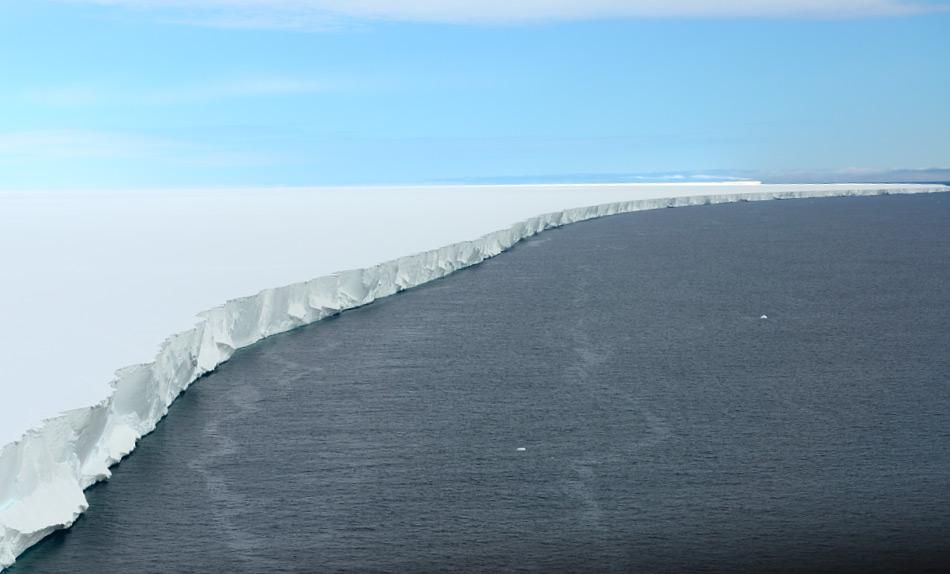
[(44, 474)]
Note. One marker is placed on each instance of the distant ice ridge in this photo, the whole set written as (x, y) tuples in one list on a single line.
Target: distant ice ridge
[(44, 474)]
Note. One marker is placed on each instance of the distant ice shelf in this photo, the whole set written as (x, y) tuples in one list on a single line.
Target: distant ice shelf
[(43, 475)]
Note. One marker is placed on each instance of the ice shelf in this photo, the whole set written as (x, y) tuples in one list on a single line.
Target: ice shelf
[(43, 475)]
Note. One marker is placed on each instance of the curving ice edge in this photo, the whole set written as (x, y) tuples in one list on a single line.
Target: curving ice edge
[(44, 474)]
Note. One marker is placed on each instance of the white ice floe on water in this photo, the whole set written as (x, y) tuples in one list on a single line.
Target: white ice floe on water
[(92, 281), (764, 317)]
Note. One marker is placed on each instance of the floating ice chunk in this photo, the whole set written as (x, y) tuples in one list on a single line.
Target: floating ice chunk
[(764, 317), (521, 449)]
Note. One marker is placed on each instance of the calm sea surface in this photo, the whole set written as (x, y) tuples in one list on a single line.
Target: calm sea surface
[(665, 425)]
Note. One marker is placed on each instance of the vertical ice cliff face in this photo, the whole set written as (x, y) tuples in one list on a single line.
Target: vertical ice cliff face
[(44, 474)]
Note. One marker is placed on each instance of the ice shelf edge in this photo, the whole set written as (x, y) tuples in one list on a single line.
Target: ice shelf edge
[(44, 474)]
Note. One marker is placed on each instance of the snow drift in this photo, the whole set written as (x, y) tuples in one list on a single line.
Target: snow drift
[(44, 474)]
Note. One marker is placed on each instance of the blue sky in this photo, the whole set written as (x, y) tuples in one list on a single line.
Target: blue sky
[(155, 93)]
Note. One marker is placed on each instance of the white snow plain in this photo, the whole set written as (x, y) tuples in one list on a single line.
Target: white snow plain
[(92, 281)]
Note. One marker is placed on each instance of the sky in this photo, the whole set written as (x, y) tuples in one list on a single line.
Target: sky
[(176, 93)]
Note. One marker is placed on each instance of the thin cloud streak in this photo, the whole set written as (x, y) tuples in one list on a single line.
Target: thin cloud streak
[(54, 144), (51, 147), (324, 14), (82, 95), (258, 87)]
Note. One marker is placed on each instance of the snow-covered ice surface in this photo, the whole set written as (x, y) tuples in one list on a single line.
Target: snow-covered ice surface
[(95, 280)]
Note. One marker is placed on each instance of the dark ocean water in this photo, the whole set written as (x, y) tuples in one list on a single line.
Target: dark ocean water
[(666, 427)]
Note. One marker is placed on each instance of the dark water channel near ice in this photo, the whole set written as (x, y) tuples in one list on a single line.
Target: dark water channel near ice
[(666, 426)]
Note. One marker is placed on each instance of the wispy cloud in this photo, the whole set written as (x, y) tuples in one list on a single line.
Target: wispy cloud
[(51, 147), (307, 14), (83, 95), (30, 145), (247, 88), (80, 159)]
